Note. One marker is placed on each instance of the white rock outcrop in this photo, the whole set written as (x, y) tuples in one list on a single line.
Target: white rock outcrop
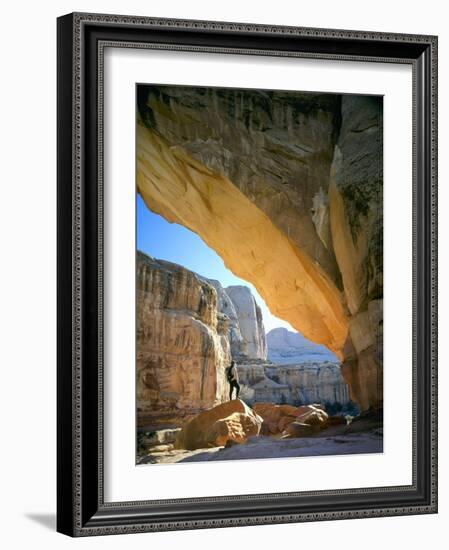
[(250, 322), (226, 307), (287, 347)]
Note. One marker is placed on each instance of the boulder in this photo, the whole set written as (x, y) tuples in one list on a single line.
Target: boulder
[(218, 425), (235, 428), (314, 417), (277, 417), (271, 427), (273, 413), (264, 409), (285, 421), (298, 429)]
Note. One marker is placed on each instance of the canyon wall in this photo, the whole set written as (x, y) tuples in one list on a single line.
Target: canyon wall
[(301, 384), (356, 220), (182, 344), (287, 188), (188, 328), (312, 383)]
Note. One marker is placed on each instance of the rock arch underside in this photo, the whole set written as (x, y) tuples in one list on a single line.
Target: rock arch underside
[(287, 189)]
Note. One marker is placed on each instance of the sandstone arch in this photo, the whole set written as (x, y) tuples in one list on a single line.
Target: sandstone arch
[(280, 190), (294, 287)]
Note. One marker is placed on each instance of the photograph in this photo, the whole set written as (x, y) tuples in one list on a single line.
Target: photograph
[(259, 274), (221, 275)]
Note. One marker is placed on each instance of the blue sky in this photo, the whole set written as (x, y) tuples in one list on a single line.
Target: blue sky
[(175, 243)]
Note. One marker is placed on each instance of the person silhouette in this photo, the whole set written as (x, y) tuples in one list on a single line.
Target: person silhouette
[(232, 378)]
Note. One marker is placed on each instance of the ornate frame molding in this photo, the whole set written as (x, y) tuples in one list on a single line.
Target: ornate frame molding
[(81, 43)]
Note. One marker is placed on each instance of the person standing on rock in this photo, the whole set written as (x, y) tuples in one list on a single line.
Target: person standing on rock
[(232, 378)]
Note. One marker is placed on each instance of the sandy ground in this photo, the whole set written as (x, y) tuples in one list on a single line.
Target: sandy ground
[(269, 447)]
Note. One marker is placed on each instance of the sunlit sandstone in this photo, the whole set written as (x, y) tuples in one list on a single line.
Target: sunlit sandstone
[(294, 287), (287, 188)]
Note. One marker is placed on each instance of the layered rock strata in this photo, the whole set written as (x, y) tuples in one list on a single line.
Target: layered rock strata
[(182, 347), (246, 328), (291, 421), (227, 308), (188, 328), (295, 384), (287, 188)]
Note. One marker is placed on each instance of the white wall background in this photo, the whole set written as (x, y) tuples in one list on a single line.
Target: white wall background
[(27, 287)]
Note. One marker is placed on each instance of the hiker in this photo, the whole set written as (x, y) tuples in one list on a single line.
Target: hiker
[(232, 377)]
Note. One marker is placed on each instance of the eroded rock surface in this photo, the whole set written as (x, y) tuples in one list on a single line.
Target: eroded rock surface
[(303, 383), (181, 351), (287, 188), (278, 418), (230, 421), (236, 428), (250, 322)]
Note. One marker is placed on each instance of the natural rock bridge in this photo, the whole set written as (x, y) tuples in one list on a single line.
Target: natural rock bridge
[(287, 189)]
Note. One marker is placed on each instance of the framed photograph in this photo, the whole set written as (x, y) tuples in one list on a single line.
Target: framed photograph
[(247, 281)]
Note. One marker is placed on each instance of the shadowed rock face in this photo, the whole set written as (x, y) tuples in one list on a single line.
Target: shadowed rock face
[(287, 188), (226, 307), (295, 384), (311, 383)]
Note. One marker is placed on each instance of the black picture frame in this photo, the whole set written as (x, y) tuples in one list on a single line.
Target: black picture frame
[(81, 510)]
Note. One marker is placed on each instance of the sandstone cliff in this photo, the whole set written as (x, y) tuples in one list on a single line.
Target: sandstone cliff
[(294, 384), (226, 307), (312, 383), (182, 346), (246, 329), (287, 188), (250, 322)]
